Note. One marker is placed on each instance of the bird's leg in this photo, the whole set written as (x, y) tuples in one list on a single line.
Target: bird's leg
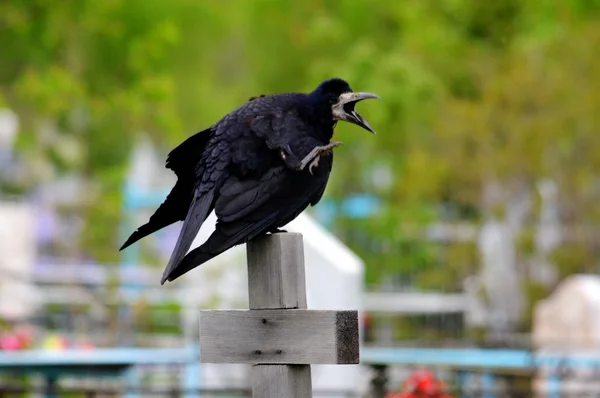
[(311, 160), (289, 158), (314, 155)]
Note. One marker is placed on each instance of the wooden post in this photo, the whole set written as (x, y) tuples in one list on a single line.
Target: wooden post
[(276, 281), (278, 335)]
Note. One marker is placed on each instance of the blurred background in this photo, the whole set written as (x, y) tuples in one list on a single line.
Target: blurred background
[(470, 220)]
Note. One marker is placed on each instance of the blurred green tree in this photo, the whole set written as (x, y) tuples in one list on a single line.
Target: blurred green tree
[(473, 94)]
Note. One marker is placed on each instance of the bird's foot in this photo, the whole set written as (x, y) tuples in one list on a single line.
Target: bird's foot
[(312, 159), (278, 231), (314, 163)]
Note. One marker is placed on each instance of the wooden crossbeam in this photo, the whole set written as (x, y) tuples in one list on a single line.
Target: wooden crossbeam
[(278, 335), (289, 336)]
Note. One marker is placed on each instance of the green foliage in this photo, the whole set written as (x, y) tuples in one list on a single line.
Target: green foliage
[(472, 92), (85, 77)]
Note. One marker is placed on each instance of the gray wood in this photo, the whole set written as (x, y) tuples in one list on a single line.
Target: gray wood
[(278, 335), (276, 280), (277, 381), (276, 271), (288, 336)]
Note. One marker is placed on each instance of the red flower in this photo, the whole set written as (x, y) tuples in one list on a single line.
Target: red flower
[(421, 383)]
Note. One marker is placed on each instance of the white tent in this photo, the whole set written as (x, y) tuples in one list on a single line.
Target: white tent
[(569, 320), (567, 325)]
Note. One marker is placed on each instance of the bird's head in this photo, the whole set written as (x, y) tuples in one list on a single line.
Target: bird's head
[(340, 99)]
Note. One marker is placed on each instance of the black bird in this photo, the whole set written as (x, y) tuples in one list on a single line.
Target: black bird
[(251, 168)]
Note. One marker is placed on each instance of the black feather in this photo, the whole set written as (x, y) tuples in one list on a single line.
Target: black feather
[(236, 168)]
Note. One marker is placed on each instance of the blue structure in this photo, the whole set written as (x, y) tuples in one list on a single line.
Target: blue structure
[(110, 362), (457, 358), (122, 362), (487, 361)]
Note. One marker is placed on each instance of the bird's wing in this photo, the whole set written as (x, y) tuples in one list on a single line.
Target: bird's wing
[(249, 188), (246, 209), (206, 174), (182, 160), (246, 199), (279, 129), (199, 210)]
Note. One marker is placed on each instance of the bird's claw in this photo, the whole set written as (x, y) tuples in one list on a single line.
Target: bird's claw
[(330, 146), (314, 163), (314, 156)]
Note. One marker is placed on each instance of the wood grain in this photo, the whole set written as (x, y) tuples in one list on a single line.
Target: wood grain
[(279, 337), (276, 280), (276, 272), (277, 381)]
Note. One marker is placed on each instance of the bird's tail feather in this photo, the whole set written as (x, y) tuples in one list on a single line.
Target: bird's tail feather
[(196, 257), (225, 236), (216, 244), (170, 211), (198, 212), (142, 232)]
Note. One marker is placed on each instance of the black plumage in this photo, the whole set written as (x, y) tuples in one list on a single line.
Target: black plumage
[(251, 168)]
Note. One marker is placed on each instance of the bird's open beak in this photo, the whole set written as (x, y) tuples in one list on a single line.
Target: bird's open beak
[(344, 109)]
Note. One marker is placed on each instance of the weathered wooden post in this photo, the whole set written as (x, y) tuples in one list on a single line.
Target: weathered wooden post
[(278, 335)]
